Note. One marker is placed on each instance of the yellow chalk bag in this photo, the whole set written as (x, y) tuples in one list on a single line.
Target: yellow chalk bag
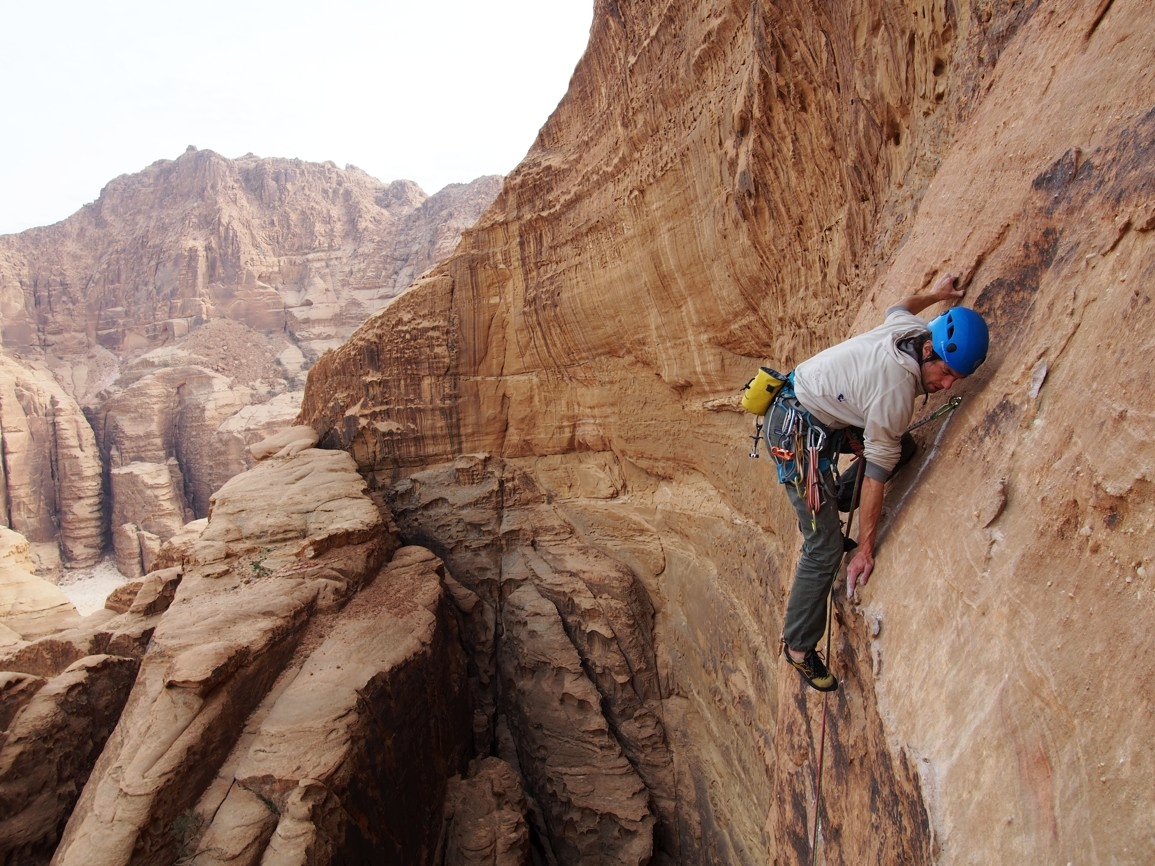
[(761, 390)]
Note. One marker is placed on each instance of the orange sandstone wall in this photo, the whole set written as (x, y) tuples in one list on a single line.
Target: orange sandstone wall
[(728, 183)]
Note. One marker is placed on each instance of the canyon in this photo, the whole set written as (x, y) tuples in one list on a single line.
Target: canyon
[(159, 331), (507, 588)]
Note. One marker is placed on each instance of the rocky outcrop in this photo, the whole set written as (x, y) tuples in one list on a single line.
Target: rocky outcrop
[(729, 185), (327, 773), (30, 606), (562, 658), (51, 745), (485, 818), (273, 687)]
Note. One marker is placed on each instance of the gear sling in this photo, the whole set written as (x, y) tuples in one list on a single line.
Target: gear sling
[(801, 446)]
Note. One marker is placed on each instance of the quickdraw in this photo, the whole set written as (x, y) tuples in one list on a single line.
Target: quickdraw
[(949, 406), (815, 441)]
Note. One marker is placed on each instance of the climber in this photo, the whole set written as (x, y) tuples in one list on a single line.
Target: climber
[(869, 382)]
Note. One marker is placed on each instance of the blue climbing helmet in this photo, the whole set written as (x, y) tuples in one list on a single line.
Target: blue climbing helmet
[(960, 337)]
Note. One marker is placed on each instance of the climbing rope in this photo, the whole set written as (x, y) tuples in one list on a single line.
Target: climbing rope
[(941, 411), (826, 695)]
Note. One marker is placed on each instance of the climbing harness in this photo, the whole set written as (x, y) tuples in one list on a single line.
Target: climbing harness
[(799, 445)]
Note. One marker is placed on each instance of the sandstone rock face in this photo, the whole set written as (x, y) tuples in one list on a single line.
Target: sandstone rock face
[(552, 419), (725, 186), (564, 678), (374, 688), (50, 474), (181, 310), (54, 741), (486, 818)]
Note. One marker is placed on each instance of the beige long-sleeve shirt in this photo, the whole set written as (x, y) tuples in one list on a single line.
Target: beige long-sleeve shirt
[(867, 382)]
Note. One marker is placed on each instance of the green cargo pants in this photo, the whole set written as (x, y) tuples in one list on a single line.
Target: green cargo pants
[(822, 550)]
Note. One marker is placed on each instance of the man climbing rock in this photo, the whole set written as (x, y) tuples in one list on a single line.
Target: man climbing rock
[(868, 385)]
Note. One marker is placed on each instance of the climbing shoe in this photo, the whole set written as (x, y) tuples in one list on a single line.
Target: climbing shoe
[(813, 670)]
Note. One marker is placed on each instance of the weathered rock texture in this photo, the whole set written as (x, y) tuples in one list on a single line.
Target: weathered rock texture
[(181, 310), (50, 468), (51, 746), (282, 246), (486, 818), (289, 685), (727, 184)]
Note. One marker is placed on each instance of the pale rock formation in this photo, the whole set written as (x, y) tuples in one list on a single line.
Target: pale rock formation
[(135, 549), (351, 718), (279, 245), (147, 491), (286, 443), (30, 606), (312, 499), (168, 419), (257, 422), (171, 438), (8, 637), (257, 712), (50, 474)]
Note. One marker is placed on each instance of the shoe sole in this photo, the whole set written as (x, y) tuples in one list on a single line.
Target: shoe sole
[(830, 688)]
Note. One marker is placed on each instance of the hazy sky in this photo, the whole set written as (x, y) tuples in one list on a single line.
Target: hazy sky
[(435, 92)]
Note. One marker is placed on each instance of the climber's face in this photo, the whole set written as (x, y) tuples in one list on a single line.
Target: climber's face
[(936, 375)]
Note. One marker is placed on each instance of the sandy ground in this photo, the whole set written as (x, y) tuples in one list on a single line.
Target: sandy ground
[(87, 588)]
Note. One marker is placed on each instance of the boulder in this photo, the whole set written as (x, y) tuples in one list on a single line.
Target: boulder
[(285, 443), (30, 606)]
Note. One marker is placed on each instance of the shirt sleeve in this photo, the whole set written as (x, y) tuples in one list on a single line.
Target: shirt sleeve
[(885, 425)]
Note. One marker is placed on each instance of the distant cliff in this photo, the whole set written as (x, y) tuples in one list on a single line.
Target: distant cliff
[(283, 246), (181, 310)]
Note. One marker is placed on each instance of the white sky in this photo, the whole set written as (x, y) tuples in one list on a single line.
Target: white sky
[(434, 91)]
